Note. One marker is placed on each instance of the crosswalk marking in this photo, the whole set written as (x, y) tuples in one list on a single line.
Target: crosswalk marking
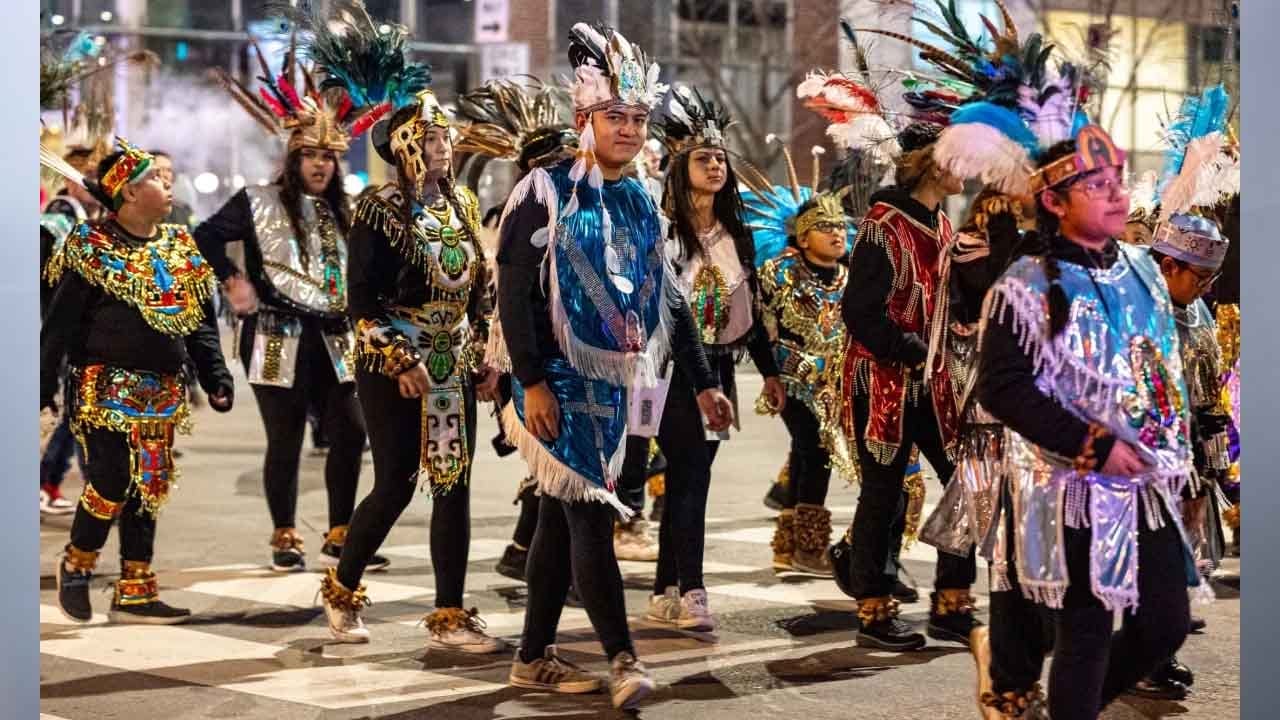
[(356, 685), (290, 589)]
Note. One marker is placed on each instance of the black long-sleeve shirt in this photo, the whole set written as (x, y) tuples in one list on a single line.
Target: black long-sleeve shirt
[(526, 317), (864, 306), (1007, 380), (86, 325), (379, 276)]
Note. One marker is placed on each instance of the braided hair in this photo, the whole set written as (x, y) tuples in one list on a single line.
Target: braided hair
[(1048, 226)]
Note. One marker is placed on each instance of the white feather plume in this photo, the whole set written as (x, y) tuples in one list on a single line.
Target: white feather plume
[(870, 132), (1180, 194), (979, 151), (1142, 195)]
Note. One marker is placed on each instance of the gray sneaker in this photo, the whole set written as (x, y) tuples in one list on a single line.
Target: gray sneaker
[(551, 672), (628, 681)]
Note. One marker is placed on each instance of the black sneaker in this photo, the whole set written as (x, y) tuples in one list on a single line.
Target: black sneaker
[(73, 593), (776, 498), (156, 612), (1175, 671), (1197, 624), (330, 554), (573, 600), (1159, 689), (512, 563), (892, 634), (285, 560)]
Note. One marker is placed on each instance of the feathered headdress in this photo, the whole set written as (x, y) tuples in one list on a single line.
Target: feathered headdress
[(856, 117), (1201, 166), (1001, 103), (350, 50), (689, 121), (279, 107), (524, 122), (608, 69), (773, 213)]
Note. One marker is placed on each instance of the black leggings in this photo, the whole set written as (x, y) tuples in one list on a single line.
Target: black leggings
[(574, 542), (682, 534), (395, 435), (284, 416), (808, 463), (877, 521), (1092, 665), (107, 470)]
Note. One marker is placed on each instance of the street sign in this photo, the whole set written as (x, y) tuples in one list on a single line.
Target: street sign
[(492, 19), (501, 60)]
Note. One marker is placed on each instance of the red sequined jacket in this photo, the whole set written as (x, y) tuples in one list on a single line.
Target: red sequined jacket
[(894, 285)]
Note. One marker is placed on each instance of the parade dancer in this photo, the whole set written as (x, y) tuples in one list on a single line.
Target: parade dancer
[(800, 239), (416, 293), (294, 339), (714, 260), (858, 125), (1190, 250), (589, 315), (1098, 445), (132, 300), (520, 123), (889, 405)]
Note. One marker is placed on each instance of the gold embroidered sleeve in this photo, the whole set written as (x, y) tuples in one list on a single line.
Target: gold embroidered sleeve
[(383, 349)]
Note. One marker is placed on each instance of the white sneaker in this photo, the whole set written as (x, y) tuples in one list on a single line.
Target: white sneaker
[(694, 613), (665, 608), (628, 681), (346, 625), (461, 631), (631, 541), (55, 504)]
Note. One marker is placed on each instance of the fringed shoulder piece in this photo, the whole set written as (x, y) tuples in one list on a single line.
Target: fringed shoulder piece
[(1021, 294), (383, 211), (542, 187), (166, 279)]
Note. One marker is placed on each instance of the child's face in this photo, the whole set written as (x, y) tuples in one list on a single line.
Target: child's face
[(1186, 282), (824, 243)]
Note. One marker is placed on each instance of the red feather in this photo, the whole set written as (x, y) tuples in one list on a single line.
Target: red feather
[(290, 93), (367, 120), (864, 95), (272, 103), (344, 108)]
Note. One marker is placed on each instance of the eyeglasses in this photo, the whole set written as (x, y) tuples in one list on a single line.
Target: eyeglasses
[(1205, 281), (1101, 187)]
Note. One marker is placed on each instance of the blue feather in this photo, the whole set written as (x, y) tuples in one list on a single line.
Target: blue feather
[(1199, 115), (768, 224), (1008, 122)]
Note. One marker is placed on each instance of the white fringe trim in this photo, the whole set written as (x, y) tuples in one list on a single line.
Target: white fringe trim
[(554, 477), (495, 350)]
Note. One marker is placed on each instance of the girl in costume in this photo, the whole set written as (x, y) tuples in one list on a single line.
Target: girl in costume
[(294, 339), (714, 261), (416, 294)]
